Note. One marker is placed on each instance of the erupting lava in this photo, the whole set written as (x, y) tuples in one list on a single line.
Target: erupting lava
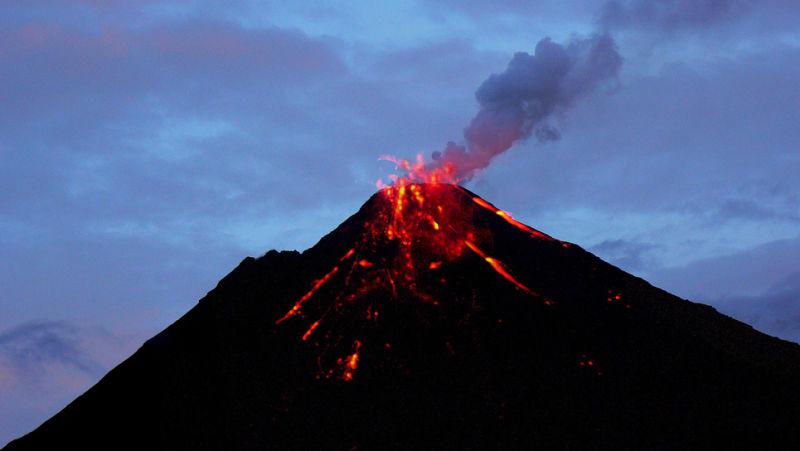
[(423, 224)]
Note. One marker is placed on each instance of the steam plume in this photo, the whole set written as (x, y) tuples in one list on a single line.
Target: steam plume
[(517, 103)]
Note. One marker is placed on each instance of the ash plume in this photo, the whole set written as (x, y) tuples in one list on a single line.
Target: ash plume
[(519, 102)]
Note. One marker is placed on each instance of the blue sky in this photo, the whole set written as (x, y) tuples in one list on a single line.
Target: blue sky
[(147, 147)]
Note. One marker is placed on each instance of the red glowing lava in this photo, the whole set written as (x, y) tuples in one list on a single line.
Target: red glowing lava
[(500, 268), (425, 221), (310, 330), (296, 307), (351, 363), (508, 218)]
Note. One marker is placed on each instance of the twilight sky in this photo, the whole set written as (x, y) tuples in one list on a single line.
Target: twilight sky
[(147, 147)]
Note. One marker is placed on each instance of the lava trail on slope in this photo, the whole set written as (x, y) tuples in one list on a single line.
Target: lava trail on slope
[(432, 319)]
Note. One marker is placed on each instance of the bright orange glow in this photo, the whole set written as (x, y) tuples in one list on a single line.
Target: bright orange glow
[(417, 172), (419, 224), (500, 268), (535, 233), (510, 219), (475, 249), (297, 305), (310, 330), (348, 254), (351, 363), (484, 204)]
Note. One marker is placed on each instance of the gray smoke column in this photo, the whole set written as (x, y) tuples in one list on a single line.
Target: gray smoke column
[(517, 103)]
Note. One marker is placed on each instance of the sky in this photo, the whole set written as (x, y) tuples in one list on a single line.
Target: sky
[(146, 147)]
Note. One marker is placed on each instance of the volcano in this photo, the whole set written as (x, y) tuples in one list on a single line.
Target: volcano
[(431, 319)]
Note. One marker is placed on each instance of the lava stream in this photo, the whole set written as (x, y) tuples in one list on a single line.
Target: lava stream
[(297, 305), (500, 268), (422, 224), (510, 219)]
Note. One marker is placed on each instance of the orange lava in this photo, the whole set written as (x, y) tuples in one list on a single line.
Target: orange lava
[(510, 219), (310, 330), (500, 268), (348, 254), (421, 225), (297, 305), (351, 363)]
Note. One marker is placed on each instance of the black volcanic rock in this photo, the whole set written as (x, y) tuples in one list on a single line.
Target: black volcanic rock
[(458, 357)]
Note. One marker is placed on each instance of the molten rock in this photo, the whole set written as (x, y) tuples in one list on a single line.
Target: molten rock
[(431, 319)]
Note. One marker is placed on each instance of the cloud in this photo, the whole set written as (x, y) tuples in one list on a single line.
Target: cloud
[(518, 102), (749, 273), (684, 141), (28, 348), (117, 73), (629, 255), (749, 209), (776, 311), (669, 14), (145, 159), (137, 125), (759, 285), (45, 364)]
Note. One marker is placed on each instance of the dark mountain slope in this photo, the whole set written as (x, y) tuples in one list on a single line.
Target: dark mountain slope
[(495, 336)]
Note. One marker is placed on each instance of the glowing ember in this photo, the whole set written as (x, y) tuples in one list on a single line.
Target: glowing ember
[(590, 364), (351, 363), (616, 298), (297, 305)]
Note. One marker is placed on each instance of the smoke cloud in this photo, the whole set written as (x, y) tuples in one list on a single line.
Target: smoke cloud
[(518, 103)]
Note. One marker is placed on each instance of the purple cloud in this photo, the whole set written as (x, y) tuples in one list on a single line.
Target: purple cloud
[(44, 364), (670, 14)]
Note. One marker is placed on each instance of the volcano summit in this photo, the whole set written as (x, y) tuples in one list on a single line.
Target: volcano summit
[(431, 319)]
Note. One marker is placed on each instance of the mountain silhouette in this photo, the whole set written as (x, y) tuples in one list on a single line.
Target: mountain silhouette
[(432, 320)]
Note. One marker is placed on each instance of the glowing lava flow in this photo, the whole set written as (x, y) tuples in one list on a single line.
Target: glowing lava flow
[(423, 223), (509, 219), (310, 330), (500, 268), (297, 305)]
